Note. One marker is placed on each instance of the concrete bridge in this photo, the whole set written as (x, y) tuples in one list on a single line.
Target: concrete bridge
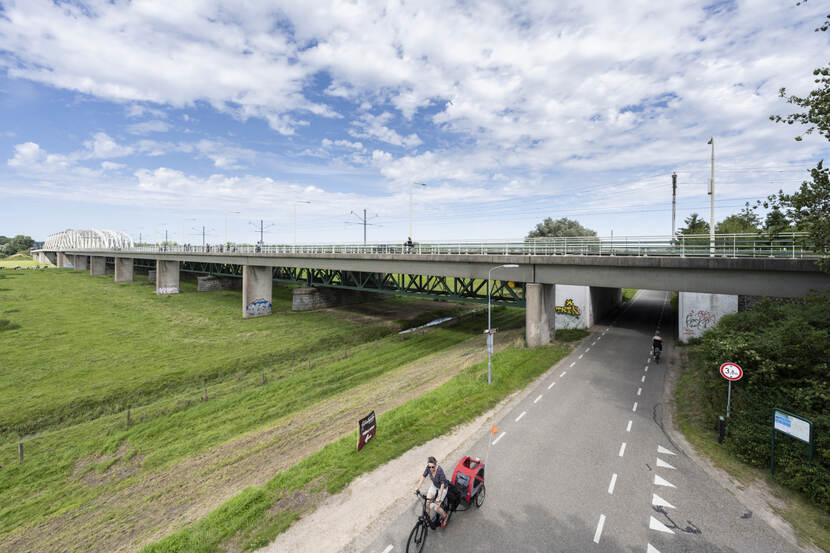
[(604, 272)]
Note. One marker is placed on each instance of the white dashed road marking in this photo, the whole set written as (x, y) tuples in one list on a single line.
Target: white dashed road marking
[(581, 355), (537, 399), (388, 549), (643, 379), (622, 449), (572, 364), (552, 384), (499, 438), (587, 350), (628, 428), (600, 524), (520, 416), (563, 374), (639, 391), (611, 485), (635, 406)]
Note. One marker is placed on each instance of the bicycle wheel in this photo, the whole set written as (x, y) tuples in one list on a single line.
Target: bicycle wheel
[(480, 496), (417, 538)]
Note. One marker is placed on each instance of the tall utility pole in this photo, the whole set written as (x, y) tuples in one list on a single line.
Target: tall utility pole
[(261, 230), (410, 204), (364, 221), (673, 201), (712, 208)]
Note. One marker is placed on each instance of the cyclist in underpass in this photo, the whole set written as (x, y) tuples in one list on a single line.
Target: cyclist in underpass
[(437, 489)]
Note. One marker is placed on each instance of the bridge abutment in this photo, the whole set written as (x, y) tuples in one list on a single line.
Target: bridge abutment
[(97, 265), (124, 269), (81, 262), (540, 300), (697, 312), (63, 260), (257, 290), (310, 298), (167, 277)]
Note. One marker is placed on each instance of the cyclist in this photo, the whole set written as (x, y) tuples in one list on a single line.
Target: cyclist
[(656, 342), (437, 489)]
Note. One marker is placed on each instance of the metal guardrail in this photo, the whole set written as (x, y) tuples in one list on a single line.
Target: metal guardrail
[(789, 245)]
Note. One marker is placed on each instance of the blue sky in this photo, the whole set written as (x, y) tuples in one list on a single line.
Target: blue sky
[(151, 116)]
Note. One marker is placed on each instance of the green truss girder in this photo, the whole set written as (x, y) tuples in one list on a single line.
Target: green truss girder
[(427, 286)]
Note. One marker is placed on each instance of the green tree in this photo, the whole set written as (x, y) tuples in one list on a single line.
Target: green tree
[(4, 239), (745, 221), (560, 227), (19, 243), (809, 209), (816, 104), (695, 225)]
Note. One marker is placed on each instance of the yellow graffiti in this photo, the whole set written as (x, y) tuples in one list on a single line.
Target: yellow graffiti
[(569, 308)]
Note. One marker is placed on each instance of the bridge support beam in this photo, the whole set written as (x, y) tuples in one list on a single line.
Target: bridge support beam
[(97, 265), (540, 301), (124, 269), (63, 260), (50, 258), (167, 277), (257, 289), (81, 262)]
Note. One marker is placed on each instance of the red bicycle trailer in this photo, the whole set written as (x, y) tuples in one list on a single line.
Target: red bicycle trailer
[(467, 483)]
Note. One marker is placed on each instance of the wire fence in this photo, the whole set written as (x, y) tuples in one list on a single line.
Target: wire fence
[(787, 245)]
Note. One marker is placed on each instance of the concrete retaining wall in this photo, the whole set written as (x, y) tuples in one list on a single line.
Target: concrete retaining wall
[(307, 299), (210, 283), (582, 306), (698, 312)]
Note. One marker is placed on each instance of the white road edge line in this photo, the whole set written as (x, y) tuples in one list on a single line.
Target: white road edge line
[(520, 416), (499, 438), (600, 524), (388, 548), (552, 384), (537, 399), (622, 449), (611, 485), (628, 428)]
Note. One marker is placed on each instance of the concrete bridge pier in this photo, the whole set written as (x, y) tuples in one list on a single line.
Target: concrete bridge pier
[(124, 269), (81, 262), (167, 277), (97, 265), (540, 302), (50, 257), (257, 289), (63, 260)]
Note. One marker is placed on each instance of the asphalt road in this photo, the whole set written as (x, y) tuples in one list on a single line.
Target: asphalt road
[(582, 464)]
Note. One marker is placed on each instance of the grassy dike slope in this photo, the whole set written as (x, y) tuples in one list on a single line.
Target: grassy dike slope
[(90, 483)]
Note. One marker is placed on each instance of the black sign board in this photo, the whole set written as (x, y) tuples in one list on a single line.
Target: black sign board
[(366, 431)]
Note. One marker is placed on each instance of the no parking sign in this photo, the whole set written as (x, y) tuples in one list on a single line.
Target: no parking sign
[(731, 372)]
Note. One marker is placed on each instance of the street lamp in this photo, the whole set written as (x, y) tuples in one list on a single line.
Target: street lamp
[(712, 209), (489, 326), (410, 204), (295, 219)]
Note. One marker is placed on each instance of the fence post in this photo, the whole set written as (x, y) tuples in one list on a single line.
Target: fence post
[(20, 451)]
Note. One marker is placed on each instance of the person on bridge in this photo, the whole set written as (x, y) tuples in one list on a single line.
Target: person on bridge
[(657, 341), (408, 244), (437, 489)]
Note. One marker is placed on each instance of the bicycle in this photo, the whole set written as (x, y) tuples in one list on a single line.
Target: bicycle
[(418, 535)]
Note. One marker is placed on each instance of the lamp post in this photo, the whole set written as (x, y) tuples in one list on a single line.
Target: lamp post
[(410, 204), (712, 208), (489, 325), (295, 219)]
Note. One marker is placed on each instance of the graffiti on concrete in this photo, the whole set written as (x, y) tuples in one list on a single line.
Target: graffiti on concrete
[(167, 290), (700, 319), (258, 307), (570, 308)]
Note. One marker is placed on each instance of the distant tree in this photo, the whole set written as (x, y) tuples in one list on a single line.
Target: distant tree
[(745, 221), (4, 239), (695, 225), (560, 227), (19, 243), (809, 209)]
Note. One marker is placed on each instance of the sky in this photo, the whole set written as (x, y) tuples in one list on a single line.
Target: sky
[(485, 117)]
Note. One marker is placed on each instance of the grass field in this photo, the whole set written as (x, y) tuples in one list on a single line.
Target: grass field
[(77, 351)]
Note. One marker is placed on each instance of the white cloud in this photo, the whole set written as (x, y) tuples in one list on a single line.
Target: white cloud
[(103, 146), (375, 126), (146, 127)]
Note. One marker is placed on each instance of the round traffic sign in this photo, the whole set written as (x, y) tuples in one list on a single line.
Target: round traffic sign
[(731, 371)]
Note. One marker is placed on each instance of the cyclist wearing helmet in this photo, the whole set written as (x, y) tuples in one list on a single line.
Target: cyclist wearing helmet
[(437, 488)]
